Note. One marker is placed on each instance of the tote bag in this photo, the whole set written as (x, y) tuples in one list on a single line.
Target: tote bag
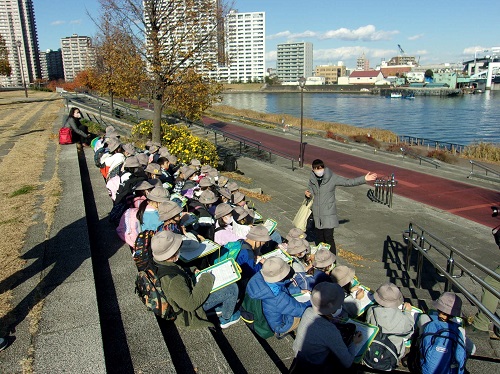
[(65, 135), (300, 220)]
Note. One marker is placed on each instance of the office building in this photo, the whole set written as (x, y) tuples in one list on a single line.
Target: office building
[(52, 65), (245, 47), (77, 55), (18, 28), (331, 73), (294, 60)]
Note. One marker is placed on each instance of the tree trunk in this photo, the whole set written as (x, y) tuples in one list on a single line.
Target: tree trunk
[(111, 104), (158, 104)]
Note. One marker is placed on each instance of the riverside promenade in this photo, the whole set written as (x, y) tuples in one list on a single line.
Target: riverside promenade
[(93, 322)]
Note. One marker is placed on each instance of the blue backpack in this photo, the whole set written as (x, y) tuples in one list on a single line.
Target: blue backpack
[(442, 348)]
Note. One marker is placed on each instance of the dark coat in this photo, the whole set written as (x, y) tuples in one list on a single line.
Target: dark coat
[(324, 208)]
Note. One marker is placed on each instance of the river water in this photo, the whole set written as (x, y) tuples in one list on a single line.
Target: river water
[(462, 120)]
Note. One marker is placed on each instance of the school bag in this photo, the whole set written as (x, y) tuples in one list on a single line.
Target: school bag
[(253, 315), (441, 348), (382, 353), (98, 155), (129, 227), (117, 211), (65, 135), (147, 283)]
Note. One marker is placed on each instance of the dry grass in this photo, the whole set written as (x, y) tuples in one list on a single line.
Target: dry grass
[(22, 189), (483, 152), (236, 177), (334, 127), (258, 196), (351, 257)]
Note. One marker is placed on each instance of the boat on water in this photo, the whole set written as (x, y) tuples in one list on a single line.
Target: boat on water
[(409, 96), (396, 95)]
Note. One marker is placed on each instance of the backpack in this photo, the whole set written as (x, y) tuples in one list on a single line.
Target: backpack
[(441, 348), (129, 227), (147, 283), (230, 250), (117, 212), (253, 315), (381, 354), (65, 135), (97, 157)]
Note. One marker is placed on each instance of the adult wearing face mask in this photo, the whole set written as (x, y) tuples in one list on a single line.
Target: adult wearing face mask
[(73, 122), (322, 185)]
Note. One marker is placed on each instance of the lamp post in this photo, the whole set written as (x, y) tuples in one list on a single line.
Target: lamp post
[(302, 82), (21, 67)]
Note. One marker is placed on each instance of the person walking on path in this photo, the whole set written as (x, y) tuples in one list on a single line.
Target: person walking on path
[(322, 185)]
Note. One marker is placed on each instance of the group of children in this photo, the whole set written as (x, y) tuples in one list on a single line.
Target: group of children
[(303, 292)]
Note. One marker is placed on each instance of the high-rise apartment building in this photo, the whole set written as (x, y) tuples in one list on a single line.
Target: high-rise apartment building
[(18, 28), (294, 60), (184, 28), (245, 47), (77, 55), (362, 63), (51, 64)]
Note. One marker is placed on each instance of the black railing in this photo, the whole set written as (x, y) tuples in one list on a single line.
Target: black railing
[(436, 144), (425, 243)]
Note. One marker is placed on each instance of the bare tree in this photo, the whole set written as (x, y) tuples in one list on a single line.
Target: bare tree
[(175, 37)]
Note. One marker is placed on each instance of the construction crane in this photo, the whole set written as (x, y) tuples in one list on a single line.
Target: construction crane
[(401, 50)]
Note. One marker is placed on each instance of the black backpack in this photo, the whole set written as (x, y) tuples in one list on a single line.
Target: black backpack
[(382, 354)]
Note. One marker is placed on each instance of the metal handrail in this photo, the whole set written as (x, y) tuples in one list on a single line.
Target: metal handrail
[(484, 167), (420, 242), (421, 158)]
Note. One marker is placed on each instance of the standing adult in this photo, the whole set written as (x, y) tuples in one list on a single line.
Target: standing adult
[(322, 185), (73, 122)]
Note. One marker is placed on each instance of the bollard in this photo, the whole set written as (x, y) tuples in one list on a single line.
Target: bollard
[(384, 190)]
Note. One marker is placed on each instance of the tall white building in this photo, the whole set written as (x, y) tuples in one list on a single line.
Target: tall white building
[(294, 60), (77, 55), (18, 28), (245, 47)]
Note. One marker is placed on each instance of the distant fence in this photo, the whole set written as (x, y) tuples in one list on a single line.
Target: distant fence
[(436, 144)]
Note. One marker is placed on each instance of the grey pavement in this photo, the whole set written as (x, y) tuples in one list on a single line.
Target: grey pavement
[(93, 322)]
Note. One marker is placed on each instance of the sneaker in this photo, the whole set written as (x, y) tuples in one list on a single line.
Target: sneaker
[(3, 343), (225, 323)]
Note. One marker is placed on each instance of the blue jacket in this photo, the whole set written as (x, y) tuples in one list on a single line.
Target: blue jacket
[(246, 260), (279, 309)]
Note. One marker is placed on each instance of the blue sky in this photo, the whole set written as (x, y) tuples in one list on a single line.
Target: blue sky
[(436, 31)]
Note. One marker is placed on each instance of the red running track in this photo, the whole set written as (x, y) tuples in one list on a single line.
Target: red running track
[(461, 199)]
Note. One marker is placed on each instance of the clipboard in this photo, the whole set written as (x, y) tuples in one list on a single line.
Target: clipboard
[(257, 217), (369, 332), (206, 247), (180, 198), (302, 297), (270, 225), (226, 272), (278, 252), (367, 300), (321, 245)]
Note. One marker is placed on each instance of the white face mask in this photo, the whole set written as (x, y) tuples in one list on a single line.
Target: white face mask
[(227, 220), (197, 193), (319, 173), (77, 115)]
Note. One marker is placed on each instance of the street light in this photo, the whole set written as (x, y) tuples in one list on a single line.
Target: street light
[(21, 67), (302, 82)]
